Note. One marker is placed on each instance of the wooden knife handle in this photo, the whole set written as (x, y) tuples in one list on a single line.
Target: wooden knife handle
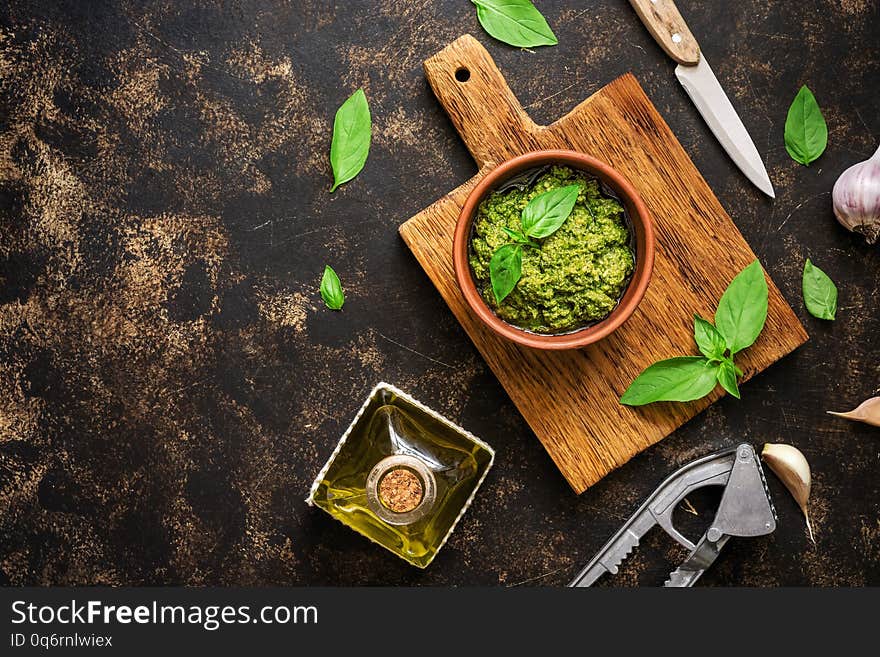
[(668, 28)]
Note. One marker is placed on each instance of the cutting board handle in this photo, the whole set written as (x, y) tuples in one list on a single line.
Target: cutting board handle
[(482, 107)]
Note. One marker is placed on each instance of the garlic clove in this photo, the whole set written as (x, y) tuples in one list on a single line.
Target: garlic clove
[(790, 465), (868, 412), (856, 198)]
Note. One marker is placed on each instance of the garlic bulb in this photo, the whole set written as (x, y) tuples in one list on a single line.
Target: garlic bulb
[(790, 465), (856, 198)]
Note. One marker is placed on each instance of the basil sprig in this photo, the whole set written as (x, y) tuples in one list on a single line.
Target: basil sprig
[(739, 319), (709, 339), (352, 131), (331, 289), (515, 22), (742, 309), (820, 292), (676, 379), (806, 134), (542, 217), (727, 372)]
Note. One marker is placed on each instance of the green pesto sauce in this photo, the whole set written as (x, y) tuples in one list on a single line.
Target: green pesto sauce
[(579, 273)]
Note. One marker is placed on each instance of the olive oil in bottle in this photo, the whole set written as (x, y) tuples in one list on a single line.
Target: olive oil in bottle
[(402, 476)]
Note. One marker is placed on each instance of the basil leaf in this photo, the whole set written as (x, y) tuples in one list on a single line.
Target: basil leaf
[(351, 138), (727, 377), (708, 339), (505, 268), (515, 22), (519, 238), (677, 379), (331, 289), (548, 211), (742, 309), (820, 292), (806, 134)]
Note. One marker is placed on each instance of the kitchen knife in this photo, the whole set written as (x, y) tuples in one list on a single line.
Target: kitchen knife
[(668, 28)]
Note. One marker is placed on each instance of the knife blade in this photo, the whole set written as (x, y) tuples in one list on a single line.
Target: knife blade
[(668, 28), (706, 93)]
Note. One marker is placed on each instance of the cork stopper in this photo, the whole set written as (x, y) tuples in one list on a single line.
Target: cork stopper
[(400, 490)]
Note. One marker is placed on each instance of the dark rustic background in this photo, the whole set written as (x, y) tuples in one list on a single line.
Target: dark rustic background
[(170, 381)]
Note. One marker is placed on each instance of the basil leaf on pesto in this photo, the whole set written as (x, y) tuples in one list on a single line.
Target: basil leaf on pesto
[(331, 289), (727, 377), (709, 339), (352, 132), (519, 238), (570, 279), (806, 134), (505, 269), (677, 379), (820, 292), (742, 309), (548, 211), (515, 22)]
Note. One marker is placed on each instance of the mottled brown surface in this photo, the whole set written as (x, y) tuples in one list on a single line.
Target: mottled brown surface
[(170, 382)]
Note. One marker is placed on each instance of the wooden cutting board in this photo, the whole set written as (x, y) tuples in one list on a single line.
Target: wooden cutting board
[(570, 398)]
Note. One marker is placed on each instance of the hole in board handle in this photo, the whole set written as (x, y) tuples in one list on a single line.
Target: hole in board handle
[(462, 74)]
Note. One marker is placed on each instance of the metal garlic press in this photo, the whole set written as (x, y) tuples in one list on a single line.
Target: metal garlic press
[(745, 510)]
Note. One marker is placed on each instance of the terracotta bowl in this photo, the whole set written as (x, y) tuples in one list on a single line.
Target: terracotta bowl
[(640, 223)]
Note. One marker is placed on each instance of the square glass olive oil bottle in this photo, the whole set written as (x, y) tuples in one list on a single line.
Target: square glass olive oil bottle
[(402, 475)]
